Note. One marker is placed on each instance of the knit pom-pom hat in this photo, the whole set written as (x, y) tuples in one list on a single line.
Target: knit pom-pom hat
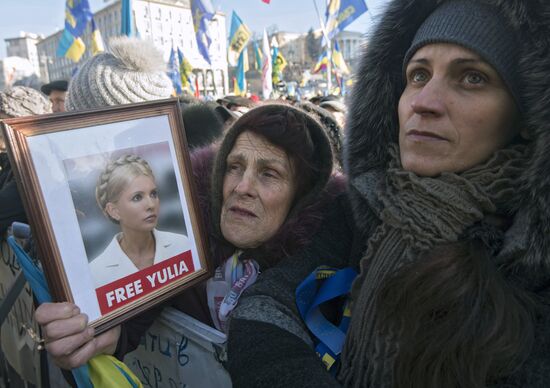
[(133, 71)]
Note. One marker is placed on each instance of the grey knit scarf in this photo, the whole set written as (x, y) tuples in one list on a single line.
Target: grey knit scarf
[(416, 213)]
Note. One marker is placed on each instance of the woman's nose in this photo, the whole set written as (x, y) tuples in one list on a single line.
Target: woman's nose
[(246, 184), (429, 100), (151, 202)]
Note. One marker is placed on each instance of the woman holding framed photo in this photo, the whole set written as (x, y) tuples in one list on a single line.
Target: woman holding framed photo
[(263, 192)]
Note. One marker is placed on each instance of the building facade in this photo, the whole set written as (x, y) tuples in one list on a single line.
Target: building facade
[(24, 46), (294, 46), (168, 24)]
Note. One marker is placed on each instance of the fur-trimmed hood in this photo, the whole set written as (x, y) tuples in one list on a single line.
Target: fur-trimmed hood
[(372, 121)]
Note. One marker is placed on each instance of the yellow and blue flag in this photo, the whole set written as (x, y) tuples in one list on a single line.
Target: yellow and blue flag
[(279, 62), (257, 57), (322, 62), (242, 68), (185, 72), (338, 64), (77, 16), (174, 71), (97, 40), (202, 12), (239, 35), (338, 60), (340, 13)]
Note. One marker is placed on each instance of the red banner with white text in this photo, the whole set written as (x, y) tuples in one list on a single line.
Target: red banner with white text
[(135, 286)]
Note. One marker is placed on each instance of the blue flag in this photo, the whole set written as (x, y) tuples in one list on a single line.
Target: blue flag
[(340, 13), (77, 16), (242, 67), (127, 19), (174, 71), (202, 12)]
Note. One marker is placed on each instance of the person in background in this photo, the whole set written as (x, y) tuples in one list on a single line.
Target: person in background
[(203, 124), (237, 104), (338, 110), (332, 128), (18, 350), (18, 101), (447, 159), (56, 91)]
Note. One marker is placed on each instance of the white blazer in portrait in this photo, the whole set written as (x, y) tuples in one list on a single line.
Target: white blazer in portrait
[(114, 264)]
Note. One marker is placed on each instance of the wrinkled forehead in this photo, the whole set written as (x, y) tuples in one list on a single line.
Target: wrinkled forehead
[(252, 145)]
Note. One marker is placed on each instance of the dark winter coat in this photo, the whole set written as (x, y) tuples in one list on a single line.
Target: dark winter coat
[(269, 345)]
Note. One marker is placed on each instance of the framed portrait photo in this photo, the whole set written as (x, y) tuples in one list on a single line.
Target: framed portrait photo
[(112, 206)]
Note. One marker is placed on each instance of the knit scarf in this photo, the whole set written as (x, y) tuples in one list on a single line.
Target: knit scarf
[(416, 214)]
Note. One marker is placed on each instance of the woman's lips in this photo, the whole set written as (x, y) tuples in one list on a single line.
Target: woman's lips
[(241, 211), (416, 135), (151, 218)]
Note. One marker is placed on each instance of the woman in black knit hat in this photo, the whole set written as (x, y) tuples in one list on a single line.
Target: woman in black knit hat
[(446, 155)]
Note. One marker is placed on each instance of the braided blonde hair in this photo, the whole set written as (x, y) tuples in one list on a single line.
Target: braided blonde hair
[(116, 176)]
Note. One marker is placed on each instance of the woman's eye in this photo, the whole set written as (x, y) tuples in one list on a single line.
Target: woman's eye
[(270, 174), (418, 76), (154, 194), (474, 78), (233, 167), (137, 198)]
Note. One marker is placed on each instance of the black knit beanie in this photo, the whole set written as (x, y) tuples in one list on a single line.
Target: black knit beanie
[(478, 27)]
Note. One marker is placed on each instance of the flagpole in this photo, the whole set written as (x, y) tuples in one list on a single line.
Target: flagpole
[(329, 67), (329, 49)]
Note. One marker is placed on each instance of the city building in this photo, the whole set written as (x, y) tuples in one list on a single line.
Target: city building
[(351, 45), (169, 24), (14, 69), (293, 46), (24, 46)]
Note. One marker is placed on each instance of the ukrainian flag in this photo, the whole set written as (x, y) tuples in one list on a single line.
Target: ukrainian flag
[(185, 72), (239, 35), (338, 60), (340, 13), (258, 58), (77, 16), (97, 40), (242, 68), (322, 63)]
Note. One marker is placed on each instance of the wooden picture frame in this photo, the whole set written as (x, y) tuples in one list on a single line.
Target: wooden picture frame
[(57, 160)]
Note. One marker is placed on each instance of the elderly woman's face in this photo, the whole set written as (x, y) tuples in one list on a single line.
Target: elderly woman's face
[(137, 206), (454, 113), (258, 190)]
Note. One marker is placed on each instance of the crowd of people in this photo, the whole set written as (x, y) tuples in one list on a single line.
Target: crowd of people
[(430, 181)]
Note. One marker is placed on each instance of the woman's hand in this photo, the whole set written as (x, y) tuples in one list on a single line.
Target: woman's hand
[(67, 336)]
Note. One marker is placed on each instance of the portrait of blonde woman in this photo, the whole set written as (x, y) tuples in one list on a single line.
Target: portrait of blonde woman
[(127, 194)]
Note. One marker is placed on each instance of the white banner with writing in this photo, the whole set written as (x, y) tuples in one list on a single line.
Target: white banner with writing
[(180, 352)]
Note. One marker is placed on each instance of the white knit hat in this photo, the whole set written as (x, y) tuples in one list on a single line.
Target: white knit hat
[(133, 71)]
